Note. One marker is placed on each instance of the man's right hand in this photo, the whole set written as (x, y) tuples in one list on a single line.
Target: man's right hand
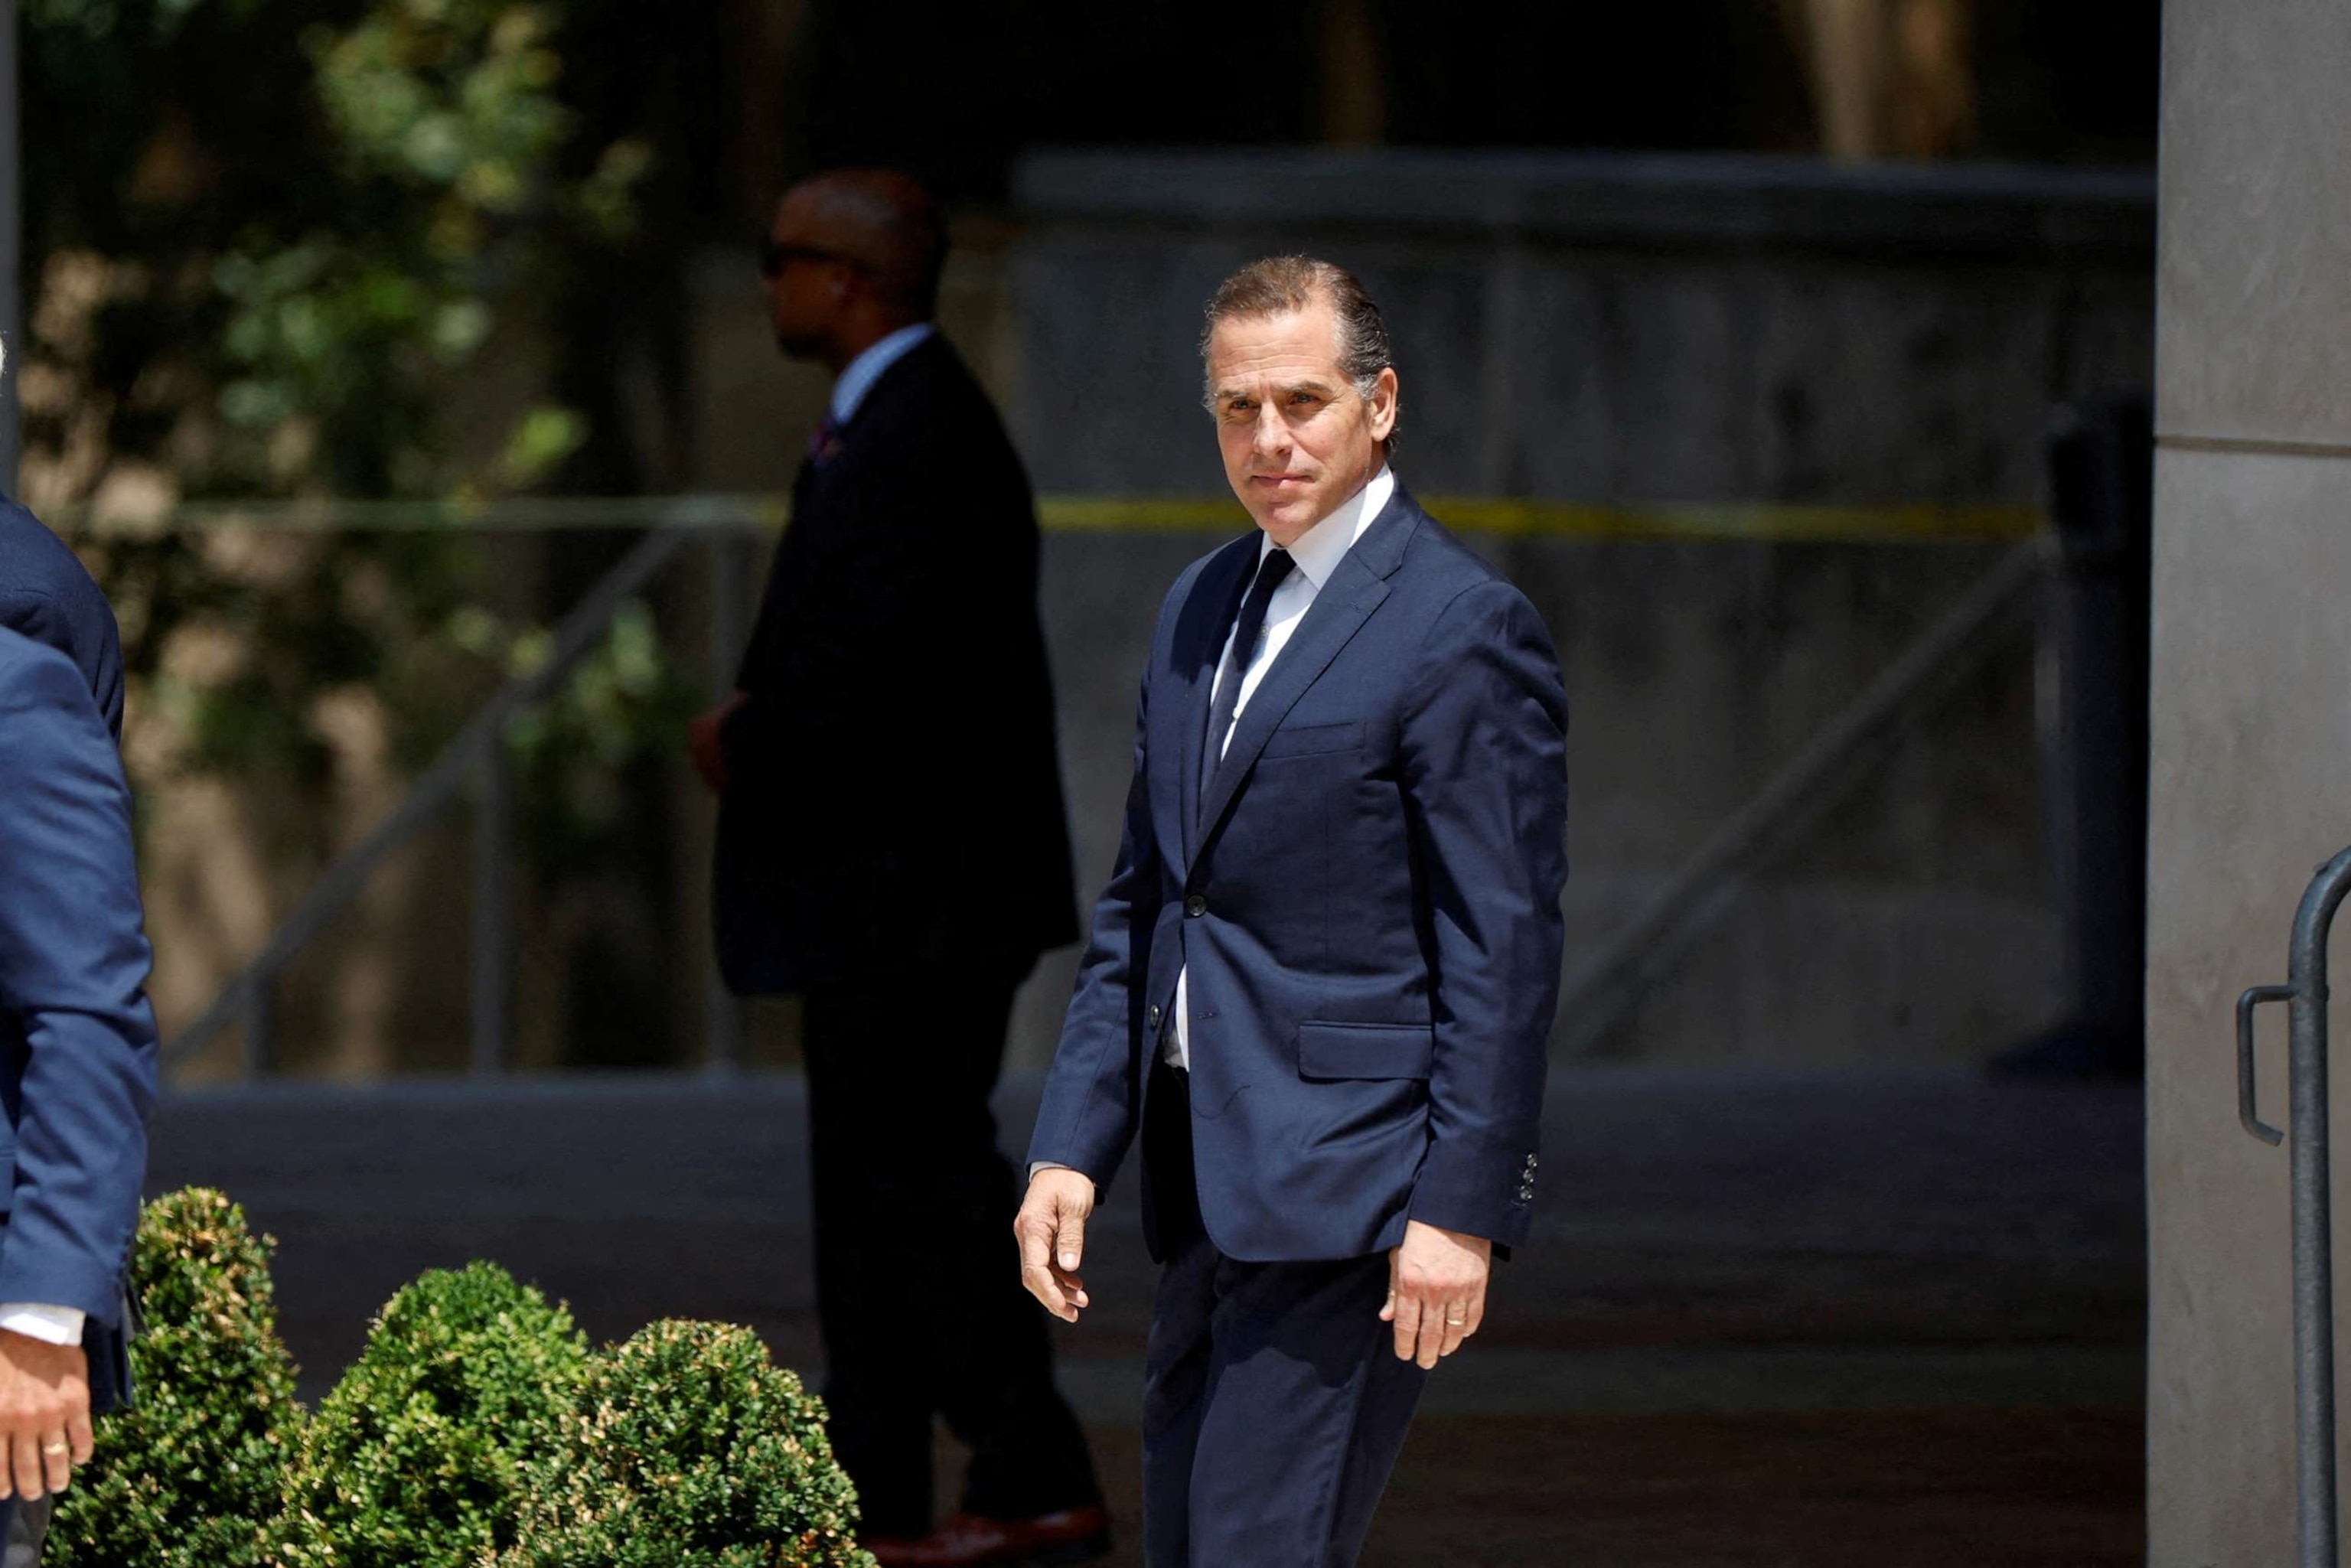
[(1052, 1230), (44, 1415)]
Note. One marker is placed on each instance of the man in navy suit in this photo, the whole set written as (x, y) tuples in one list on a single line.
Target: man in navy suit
[(1320, 983), (47, 594), (77, 1069)]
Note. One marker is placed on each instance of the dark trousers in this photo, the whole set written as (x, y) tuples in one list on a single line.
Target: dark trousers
[(22, 1527), (918, 1289), (1273, 1403)]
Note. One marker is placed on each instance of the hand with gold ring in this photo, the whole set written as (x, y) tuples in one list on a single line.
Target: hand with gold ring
[(1436, 1291), (44, 1415), (57, 1463)]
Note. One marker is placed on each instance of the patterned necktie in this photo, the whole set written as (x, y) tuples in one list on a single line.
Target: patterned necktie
[(1246, 631), (825, 442)]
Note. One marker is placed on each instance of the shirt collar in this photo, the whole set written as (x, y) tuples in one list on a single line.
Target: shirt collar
[(858, 378), (1316, 552)]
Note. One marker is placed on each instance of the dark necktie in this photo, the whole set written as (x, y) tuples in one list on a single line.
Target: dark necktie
[(1246, 631)]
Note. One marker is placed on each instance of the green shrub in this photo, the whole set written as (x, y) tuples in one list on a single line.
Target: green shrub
[(474, 1431), (688, 1448), (189, 1476), (415, 1460)]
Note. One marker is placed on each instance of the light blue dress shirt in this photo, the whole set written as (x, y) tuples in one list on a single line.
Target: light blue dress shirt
[(863, 371)]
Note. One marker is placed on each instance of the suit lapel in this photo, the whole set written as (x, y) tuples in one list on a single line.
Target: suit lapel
[(1338, 612), (1358, 585), (1201, 628)]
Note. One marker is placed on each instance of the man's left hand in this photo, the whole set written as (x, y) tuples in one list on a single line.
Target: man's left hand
[(1436, 1291)]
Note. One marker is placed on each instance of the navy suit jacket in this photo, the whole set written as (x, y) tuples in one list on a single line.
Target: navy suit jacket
[(46, 595), (1367, 902), (76, 1038)]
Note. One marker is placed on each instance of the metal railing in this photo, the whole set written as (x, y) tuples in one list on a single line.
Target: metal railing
[(1641, 953), (475, 763), (478, 762), (2305, 993)]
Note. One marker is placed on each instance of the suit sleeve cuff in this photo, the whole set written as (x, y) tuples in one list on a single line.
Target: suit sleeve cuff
[(1477, 1189), (66, 1277), (50, 1325)]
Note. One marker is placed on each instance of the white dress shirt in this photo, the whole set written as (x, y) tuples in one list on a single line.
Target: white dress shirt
[(52, 1325), (857, 378), (1316, 555)]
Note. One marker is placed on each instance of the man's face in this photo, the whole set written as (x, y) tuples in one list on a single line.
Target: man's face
[(1296, 439), (807, 289)]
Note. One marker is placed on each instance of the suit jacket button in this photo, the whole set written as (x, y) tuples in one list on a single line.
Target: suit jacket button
[(1154, 1013), (1195, 907)]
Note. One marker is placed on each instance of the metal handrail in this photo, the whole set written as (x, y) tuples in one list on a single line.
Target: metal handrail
[(477, 759), (1639, 954), (2305, 993)]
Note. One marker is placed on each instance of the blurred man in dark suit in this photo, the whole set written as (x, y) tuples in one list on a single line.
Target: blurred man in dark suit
[(891, 846), (77, 1075), (1322, 980)]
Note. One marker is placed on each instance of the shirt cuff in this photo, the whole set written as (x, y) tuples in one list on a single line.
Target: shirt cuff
[(1033, 1169), (50, 1325)]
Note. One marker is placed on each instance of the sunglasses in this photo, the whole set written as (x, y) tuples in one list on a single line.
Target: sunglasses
[(774, 257)]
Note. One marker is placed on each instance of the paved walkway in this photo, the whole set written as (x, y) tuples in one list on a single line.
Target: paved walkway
[(1765, 1319)]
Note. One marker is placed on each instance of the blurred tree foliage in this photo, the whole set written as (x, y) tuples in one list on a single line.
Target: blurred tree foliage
[(370, 250), (293, 248), (266, 257)]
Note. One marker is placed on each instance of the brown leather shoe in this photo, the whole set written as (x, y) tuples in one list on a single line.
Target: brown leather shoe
[(1049, 1540)]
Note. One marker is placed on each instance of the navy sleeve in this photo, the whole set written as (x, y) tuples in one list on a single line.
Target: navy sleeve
[(1087, 1118), (74, 961), (1484, 738)]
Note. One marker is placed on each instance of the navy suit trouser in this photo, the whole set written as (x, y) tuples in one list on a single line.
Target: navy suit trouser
[(22, 1527), (1273, 1403)]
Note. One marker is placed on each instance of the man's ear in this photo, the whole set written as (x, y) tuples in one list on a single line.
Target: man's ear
[(1384, 406)]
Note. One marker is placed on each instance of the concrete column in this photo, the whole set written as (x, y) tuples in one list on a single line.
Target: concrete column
[(2250, 724)]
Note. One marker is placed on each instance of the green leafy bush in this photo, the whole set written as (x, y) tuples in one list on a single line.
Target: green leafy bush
[(417, 1459), (688, 1448), (476, 1431), (189, 1476)]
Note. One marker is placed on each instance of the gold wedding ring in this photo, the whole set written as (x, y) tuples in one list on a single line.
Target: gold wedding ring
[(56, 1447)]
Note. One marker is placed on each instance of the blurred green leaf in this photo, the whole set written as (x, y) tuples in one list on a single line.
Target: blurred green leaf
[(541, 439)]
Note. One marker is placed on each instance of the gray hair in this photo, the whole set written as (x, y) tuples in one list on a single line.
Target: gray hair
[(1280, 284)]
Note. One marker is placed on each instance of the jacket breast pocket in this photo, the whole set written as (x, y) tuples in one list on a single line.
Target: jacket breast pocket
[(1311, 740), (1366, 1050)]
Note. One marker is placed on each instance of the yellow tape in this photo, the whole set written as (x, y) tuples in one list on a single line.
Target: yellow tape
[(1483, 515), (1562, 519)]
